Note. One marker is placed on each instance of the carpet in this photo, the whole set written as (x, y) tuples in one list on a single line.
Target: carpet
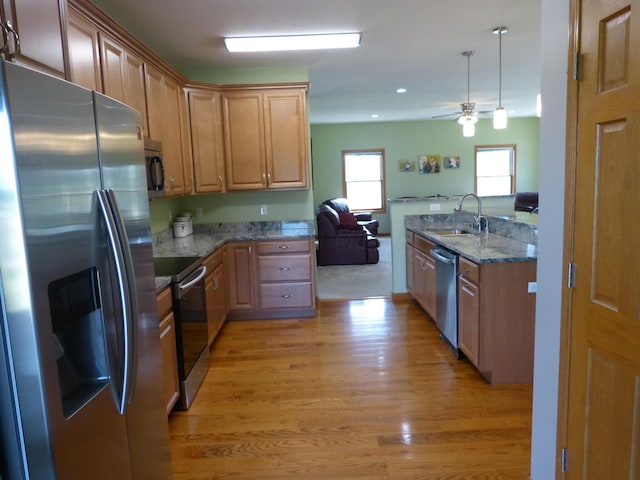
[(357, 281)]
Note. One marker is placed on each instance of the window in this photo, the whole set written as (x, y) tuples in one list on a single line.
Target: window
[(363, 173), (495, 170)]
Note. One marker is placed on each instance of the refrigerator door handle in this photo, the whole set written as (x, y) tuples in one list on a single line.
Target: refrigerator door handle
[(124, 268), (131, 331)]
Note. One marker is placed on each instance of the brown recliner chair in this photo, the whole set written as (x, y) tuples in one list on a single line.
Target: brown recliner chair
[(344, 242), (526, 202), (365, 219)]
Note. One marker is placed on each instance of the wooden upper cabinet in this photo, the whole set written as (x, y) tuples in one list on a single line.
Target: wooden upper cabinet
[(123, 76), (285, 114), (205, 115), (84, 51), (165, 112), (39, 24), (266, 142), (245, 158)]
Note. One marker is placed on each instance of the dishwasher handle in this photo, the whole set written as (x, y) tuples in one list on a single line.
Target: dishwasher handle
[(438, 255)]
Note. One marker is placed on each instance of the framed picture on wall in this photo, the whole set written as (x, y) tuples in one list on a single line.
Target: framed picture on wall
[(451, 162), (407, 165), (430, 163)]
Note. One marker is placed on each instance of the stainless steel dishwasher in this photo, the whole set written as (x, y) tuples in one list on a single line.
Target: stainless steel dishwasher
[(447, 296)]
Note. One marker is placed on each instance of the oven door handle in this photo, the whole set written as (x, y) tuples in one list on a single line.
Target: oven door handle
[(183, 287)]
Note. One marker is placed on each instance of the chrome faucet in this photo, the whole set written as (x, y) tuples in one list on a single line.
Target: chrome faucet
[(477, 219)]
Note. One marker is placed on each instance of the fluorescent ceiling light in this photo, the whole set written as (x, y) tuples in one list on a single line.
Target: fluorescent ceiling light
[(292, 42)]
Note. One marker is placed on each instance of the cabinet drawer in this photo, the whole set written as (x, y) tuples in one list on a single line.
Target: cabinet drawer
[(165, 304), (469, 270), (423, 244), (408, 236), (213, 261), (289, 246), (286, 295), (279, 268)]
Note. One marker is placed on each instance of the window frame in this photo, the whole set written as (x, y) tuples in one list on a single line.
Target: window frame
[(367, 151), (514, 158)]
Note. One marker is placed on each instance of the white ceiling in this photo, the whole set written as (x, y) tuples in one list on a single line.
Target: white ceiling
[(415, 44)]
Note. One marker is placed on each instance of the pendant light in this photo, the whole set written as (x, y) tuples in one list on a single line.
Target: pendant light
[(500, 114)]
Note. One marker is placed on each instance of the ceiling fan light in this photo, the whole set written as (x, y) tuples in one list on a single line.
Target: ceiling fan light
[(468, 129), (500, 118), (469, 118)]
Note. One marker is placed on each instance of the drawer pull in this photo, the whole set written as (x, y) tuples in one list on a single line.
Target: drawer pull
[(285, 269), (286, 295), (283, 247)]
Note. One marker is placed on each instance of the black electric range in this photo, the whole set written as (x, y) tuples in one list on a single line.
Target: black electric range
[(175, 267)]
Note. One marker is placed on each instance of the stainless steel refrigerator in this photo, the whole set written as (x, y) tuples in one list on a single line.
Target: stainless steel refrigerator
[(80, 363)]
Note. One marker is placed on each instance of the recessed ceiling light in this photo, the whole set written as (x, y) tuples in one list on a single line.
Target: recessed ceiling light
[(401, 90), (375, 115), (292, 42)]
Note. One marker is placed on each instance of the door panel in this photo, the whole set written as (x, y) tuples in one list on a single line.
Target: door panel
[(603, 429)]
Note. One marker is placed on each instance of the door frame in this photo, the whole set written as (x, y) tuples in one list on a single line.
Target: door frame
[(571, 159)]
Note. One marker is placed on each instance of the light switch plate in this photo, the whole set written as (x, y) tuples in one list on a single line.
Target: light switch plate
[(434, 207), (532, 287)]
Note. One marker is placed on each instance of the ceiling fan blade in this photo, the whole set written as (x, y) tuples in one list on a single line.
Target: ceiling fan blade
[(448, 115)]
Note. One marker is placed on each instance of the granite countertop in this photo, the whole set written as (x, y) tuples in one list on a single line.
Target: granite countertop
[(209, 237), (485, 247)]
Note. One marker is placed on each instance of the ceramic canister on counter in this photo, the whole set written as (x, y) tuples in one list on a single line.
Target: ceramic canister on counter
[(187, 219), (181, 229)]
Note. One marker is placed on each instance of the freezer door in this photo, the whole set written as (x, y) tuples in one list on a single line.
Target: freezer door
[(121, 152), (55, 268)]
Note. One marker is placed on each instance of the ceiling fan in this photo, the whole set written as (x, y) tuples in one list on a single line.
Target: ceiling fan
[(467, 115)]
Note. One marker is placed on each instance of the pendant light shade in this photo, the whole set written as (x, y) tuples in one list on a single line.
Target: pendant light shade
[(499, 118), (500, 114)]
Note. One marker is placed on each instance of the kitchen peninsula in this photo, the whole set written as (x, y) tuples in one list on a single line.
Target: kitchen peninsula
[(493, 287)]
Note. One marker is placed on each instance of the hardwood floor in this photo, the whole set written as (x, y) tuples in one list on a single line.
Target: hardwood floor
[(366, 390)]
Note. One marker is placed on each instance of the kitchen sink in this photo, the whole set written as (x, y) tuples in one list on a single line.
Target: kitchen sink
[(454, 232)]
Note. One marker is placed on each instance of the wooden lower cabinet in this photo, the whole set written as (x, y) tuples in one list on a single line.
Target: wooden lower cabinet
[(240, 272), (468, 319), (496, 319), (168, 348), (285, 277), (215, 294), (423, 273), (271, 279)]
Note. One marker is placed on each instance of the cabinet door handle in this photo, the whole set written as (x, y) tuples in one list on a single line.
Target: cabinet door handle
[(16, 41), (220, 179), (264, 179)]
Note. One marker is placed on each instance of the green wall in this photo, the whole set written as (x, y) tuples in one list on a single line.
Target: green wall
[(408, 140), (234, 207)]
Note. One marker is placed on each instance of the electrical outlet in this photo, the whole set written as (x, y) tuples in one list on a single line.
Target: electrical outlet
[(263, 210), (434, 207), (532, 287), (199, 212)]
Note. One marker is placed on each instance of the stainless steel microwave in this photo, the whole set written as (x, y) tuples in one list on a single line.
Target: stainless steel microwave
[(155, 167)]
